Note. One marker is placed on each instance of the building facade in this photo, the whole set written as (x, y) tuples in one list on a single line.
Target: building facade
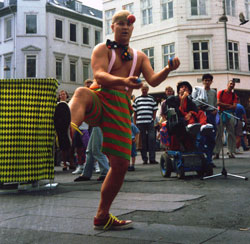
[(48, 38), (196, 32)]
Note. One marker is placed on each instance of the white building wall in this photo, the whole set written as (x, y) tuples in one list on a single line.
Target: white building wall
[(24, 40)]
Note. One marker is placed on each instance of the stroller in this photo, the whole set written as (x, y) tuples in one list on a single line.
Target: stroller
[(184, 149)]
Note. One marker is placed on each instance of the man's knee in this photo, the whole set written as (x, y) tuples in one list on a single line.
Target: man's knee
[(81, 91), (84, 95)]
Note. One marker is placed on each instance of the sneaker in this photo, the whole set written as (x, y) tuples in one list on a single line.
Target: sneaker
[(237, 151), (101, 178), (230, 155), (112, 223), (131, 168), (62, 119), (78, 170), (62, 163), (153, 162), (97, 168), (81, 178)]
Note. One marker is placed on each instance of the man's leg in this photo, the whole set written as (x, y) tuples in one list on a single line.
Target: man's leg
[(144, 142), (88, 169), (231, 135), (96, 151), (151, 142), (218, 139), (80, 103), (112, 184)]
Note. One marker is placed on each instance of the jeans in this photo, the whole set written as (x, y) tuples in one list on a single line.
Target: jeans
[(147, 132), (231, 139), (93, 153), (210, 140)]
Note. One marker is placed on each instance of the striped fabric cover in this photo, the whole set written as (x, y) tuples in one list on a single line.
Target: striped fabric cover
[(26, 129), (114, 120)]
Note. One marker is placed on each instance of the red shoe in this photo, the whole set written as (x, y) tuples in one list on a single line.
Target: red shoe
[(112, 223)]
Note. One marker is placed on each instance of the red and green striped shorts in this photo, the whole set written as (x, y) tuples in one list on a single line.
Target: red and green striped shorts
[(112, 111)]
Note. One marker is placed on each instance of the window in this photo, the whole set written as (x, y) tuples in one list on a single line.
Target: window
[(78, 6), (30, 66), (86, 71), (7, 66), (247, 4), (8, 28), (85, 33), (73, 32), (73, 71), (97, 37), (230, 7), (147, 17), (59, 29), (150, 53), (129, 7), (168, 52), (198, 7), (167, 9), (108, 20), (59, 69), (31, 24), (248, 51), (200, 55), (233, 55)]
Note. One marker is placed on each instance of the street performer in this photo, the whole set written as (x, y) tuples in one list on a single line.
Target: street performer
[(116, 68)]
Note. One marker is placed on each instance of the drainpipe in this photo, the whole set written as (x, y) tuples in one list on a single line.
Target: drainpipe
[(225, 29)]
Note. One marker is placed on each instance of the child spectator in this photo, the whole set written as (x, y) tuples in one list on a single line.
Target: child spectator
[(135, 136)]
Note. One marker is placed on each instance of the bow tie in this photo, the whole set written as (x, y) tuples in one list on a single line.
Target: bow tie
[(114, 45)]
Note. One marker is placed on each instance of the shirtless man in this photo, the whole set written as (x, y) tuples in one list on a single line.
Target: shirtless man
[(116, 68)]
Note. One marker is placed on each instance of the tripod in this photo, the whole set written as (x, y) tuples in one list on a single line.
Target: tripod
[(224, 171)]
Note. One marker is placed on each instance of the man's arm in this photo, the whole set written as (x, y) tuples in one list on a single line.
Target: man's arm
[(154, 79), (100, 63), (226, 106), (135, 117)]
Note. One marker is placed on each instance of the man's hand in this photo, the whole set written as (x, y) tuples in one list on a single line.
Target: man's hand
[(132, 82), (214, 112), (188, 116), (173, 64)]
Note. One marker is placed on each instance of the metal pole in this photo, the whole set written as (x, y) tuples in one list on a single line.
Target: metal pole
[(225, 29)]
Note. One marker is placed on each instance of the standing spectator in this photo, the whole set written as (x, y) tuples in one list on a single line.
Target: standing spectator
[(135, 135), (227, 101), (169, 91), (93, 153), (88, 83), (80, 143), (209, 96), (145, 109), (67, 154), (240, 112)]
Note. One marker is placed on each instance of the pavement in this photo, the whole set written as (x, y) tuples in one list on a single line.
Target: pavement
[(164, 210)]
